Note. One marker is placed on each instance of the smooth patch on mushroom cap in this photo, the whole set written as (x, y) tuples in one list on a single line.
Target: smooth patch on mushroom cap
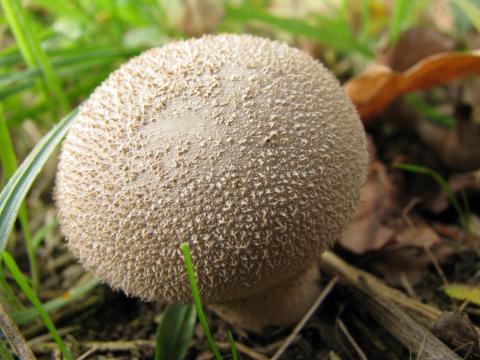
[(245, 148)]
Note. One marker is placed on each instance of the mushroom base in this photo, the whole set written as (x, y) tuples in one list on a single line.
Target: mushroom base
[(281, 305)]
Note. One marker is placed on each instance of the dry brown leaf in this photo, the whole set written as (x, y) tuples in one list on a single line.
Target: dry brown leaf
[(367, 231), (374, 89), (456, 183), (410, 262), (418, 236)]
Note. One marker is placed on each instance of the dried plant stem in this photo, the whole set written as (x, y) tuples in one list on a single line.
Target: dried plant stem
[(351, 340), (385, 304), (101, 346), (423, 313), (412, 335), (14, 337), (255, 355)]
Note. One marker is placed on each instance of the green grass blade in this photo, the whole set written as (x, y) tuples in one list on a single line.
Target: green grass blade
[(399, 19), (197, 301), (6, 293), (42, 232), (233, 346), (464, 216), (23, 284), (5, 352), (471, 11), (7, 153), (175, 332), (9, 163), (75, 293), (17, 30), (31, 49), (338, 37), (430, 112), (17, 187)]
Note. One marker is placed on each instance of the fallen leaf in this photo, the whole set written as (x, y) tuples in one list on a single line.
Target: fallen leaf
[(374, 89), (418, 236), (367, 231), (457, 183), (409, 262), (458, 148), (464, 292)]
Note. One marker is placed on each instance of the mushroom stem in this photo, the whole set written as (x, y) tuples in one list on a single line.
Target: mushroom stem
[(281, 305)]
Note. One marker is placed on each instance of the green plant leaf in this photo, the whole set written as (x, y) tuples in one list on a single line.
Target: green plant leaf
[(175, 332), (471, 11), (75, 293), (464, 215), (31, 49), (429, 111), (198, 302), (23, 284), (399, 19), (233, 345), (326, 31), (464, 292), (17, 187)]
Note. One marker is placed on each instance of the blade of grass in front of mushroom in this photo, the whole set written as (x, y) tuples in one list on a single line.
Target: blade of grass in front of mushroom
[(174, 333), (462, 213), (9, 165), (23, 284), (17, 187), (233, 345), (197, 301)]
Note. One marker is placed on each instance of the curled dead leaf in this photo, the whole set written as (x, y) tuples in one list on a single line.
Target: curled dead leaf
[(377, 87), (367, 231)]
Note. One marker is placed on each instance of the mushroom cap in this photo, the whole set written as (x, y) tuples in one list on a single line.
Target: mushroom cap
[(243, 147)]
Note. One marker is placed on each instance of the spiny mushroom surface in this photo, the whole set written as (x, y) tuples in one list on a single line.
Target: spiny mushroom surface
[(243, 147)]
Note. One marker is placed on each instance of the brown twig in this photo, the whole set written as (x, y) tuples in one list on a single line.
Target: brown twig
[(114, 346), (351, 340), (243, 349), (14, 336), (385, 305), (412, 335), (426, 314)]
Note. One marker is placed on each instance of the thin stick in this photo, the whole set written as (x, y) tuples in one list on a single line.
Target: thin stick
[(352, 341), (101, 346), (14, 337), (87, 353), (296, 330), (424, 313), (244, 349), (406, 330)]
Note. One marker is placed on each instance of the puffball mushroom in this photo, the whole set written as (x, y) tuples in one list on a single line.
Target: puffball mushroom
[(243, 147)]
